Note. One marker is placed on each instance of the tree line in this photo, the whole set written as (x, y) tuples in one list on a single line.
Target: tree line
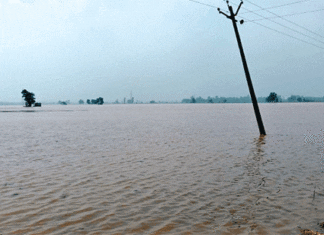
[(273, 97), (99, 101)]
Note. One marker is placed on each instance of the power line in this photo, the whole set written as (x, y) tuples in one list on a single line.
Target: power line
[(283, 5), (285, 25), (247, 20), (298, 13), (288, 35), (286, 20), (203, 3)]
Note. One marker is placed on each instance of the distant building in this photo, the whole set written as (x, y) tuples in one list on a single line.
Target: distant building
[(131, 100)]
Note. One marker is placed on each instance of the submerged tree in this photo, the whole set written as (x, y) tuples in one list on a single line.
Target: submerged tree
[(29, 97), (273, 98)]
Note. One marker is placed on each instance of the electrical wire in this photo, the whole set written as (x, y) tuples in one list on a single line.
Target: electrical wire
[(281, 17), (283, 33), (277, 31), (284, 26), (203, 3), (275, 17), (283, 5)]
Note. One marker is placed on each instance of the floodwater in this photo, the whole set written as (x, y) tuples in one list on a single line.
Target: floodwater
[(161, 169)]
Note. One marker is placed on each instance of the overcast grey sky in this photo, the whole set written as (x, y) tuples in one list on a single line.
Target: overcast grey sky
[(159, 50)]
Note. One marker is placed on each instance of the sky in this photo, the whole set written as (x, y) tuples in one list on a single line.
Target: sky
[(162, 50)]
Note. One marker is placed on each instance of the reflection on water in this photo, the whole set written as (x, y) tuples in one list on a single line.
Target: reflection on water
[(160, 169)]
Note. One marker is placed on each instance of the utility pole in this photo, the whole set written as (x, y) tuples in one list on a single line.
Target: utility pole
[(246, 69)]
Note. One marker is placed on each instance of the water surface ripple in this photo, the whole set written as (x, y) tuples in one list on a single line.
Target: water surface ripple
[(160, 169)]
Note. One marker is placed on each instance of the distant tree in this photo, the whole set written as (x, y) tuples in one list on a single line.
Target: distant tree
[(186, 101), (192, 99), (200, 100), (152, 102), (210, 100), (62, 102), (29, 97), (272, 98), (224, 100), (292, 98), (302, 99), (309, 100), (100, 101), (81, 102)]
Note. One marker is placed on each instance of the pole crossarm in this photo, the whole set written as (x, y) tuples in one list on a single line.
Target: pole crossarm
[(220, 12), (238, 9), (232, 16)]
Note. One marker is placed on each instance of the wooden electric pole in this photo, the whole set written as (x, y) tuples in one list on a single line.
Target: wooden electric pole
[(246, 69)]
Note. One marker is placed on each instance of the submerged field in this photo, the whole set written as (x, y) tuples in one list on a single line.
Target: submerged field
[(161, 169)]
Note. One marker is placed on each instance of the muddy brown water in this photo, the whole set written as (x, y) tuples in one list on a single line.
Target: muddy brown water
[(160, 169)]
